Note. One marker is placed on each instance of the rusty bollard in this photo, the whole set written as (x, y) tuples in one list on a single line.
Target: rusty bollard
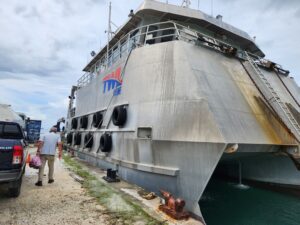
[(173, 207)]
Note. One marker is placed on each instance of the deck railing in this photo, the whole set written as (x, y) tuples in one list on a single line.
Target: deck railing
[(147, 35)]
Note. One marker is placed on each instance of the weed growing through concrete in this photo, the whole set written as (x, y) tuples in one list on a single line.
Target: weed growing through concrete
[(119, 207)]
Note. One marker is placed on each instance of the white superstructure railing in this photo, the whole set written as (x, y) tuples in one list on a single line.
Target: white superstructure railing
[(147, 35)]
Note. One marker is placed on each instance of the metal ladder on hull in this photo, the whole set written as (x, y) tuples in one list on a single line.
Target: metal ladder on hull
[(280, 108)]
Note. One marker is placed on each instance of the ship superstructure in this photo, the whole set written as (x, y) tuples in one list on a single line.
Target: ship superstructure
[(177, 92)]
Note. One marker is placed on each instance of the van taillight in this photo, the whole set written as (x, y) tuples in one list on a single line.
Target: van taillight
[(17, 154)]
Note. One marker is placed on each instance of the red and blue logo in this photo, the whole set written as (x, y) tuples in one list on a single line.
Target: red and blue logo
[(113, 81)]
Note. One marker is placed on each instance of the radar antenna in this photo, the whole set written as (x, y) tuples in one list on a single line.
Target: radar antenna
[(186, 3)]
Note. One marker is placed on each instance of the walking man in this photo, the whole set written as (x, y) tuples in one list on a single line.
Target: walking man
[(46, 150)]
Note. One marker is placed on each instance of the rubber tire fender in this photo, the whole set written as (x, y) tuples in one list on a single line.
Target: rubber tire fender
[(119, 115), (97, 120), (84, 122), (88, 140), (77, 139), (74, 123), (69, 138), (105, 142)]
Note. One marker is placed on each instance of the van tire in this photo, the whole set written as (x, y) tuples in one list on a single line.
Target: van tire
[(15, 190)]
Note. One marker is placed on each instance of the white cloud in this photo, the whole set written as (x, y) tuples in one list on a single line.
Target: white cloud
[(45, 44)]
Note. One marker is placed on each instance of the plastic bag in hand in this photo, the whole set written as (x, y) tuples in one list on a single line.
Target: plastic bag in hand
[(35, 162)]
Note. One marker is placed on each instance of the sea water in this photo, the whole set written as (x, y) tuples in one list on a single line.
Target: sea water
[(229, 203)]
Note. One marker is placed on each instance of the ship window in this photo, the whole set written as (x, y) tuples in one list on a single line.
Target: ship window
[(115, 54), (133, 38), (93, 69), (151, 35), (143, 35), (98, 69), (134, 33), (169, 35), (123, 47), (109, 61)]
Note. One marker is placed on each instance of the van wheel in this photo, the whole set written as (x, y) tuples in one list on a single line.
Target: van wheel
[(15, 190)]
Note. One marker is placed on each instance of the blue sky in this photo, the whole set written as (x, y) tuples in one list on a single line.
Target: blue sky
[(45, 44)]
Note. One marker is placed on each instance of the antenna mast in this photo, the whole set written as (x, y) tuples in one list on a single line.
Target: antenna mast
[(108, 32)]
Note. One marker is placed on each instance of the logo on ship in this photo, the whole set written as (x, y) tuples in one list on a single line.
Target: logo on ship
[(113, 81)]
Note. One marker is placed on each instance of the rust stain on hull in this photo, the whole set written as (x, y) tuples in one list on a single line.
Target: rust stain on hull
[(276, 133)]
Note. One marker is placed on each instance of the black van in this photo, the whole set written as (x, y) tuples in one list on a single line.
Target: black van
[(13, 156)]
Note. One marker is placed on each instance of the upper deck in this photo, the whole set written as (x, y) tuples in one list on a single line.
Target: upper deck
[(156, 22)]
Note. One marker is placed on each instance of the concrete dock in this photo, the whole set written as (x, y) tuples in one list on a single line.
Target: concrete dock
[(69, 201)]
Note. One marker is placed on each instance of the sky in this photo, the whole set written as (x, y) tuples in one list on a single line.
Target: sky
[(44, 44)]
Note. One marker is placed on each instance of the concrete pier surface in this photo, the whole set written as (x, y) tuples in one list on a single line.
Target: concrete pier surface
[(62, 202), (131, 190), (67, 201)]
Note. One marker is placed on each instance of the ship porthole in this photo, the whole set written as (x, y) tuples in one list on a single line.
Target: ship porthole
[(97, 119), (84, 122), (119, 116), (69, 138), (88, 140), (77, 139), (74, 123), (105, 142)]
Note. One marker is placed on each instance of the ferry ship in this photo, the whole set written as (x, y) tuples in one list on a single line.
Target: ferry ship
[(175, 94)]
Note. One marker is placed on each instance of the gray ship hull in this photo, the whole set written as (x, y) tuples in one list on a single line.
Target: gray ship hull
[(186, 106), (188, 167), (272, 168)]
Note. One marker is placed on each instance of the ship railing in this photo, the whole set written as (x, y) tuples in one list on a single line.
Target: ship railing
[(147, 35), (85, 79)]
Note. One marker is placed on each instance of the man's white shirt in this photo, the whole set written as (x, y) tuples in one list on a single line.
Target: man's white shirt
[(50, 141)]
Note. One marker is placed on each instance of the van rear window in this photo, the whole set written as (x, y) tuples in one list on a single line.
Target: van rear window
[(10, 131)]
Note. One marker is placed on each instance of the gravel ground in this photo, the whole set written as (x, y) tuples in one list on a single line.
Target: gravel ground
[(60, 203)]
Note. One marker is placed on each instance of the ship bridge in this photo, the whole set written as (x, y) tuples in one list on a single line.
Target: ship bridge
[(153, 12)]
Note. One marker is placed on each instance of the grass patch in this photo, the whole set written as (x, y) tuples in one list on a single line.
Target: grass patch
[(118, 205)]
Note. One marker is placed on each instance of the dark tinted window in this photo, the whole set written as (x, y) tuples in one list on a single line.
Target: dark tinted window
[(10, 131)]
